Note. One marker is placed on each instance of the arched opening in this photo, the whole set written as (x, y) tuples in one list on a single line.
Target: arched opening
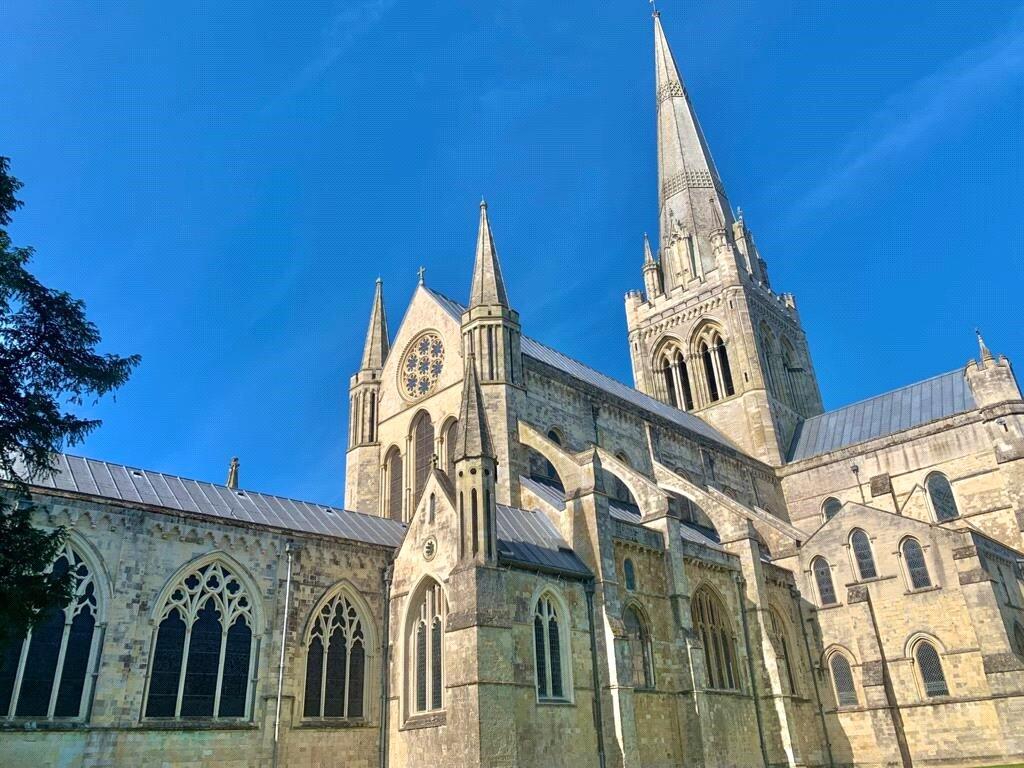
[(713, 628), (929, 668), (862, 554), (842, 680), (792, 370), (393, 485), (916, 565), (676, 378), (46, 672), (339, 642), (423, 454), (823, 579), (551, 649), (779, 636), (830, 507), (940, 491), (424, 641), (709, 372), (450, 440), (641, 655)]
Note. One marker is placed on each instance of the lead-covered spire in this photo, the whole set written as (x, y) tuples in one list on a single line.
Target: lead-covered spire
[(377, 346), (472, 440), (488, 288), (691, 197)]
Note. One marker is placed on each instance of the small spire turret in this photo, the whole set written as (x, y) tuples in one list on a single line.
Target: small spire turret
[(232, 481)]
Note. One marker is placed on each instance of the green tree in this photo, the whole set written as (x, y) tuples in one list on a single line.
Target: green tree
[(48, 366)]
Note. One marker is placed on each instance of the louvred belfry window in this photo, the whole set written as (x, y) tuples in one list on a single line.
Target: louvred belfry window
[(336, 661), (45, 673), (201, 664)]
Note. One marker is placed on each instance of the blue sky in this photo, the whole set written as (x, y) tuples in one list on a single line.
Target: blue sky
[(222, 183)]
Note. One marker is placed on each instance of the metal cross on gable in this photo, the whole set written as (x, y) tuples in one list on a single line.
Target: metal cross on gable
[(422, 271)]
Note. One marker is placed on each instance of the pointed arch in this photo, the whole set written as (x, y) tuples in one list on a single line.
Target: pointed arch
[(940, 494), (421, 435), (552, 633), (392, 485), (340, 643), (792, 372), (768, 353), (426, 616), (780, 637), (47, 673), (641, 649), (709, 345), (712, 625), (208, 621), (674, 374), (449, 438)]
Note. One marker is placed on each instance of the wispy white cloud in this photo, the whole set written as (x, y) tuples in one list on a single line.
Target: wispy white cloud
[(918, 114), (348, 21)]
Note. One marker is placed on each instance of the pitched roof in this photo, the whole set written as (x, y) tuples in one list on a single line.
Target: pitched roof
[(525, 539), (911, 406), (178, 494), (528, 539), (608, 385)]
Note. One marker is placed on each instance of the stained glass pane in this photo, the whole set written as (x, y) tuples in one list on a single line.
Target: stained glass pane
[(395, 486), (421, 668), (823, 576), (9, 670), (831, 508), (941, 494), (555, 644), (542, 664), (862, 553), (842, 678), (424, 449), (916, 565), (931, 670), (234, 685), (314, 673), (76, 666), (41, 666), (166, 665), (334, 690), (435, 655), (356, 680), (203, 663)]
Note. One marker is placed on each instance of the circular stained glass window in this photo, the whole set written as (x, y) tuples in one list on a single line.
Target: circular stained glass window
[(422, 366)]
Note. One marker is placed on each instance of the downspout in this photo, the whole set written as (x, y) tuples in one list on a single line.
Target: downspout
[(588, 588), (890, 693), (750, 668), (814, 678), (386, 574), (284, 642)]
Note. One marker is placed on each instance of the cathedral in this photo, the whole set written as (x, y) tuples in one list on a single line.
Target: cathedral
[(540, 566)]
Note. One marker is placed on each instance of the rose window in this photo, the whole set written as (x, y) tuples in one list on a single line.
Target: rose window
[(422, 366)]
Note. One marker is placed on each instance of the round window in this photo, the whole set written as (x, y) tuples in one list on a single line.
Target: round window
[(422, 366)]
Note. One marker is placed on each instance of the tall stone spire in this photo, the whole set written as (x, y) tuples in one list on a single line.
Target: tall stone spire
[(473, 439), (488, 288), (691, 196), (377, 346)]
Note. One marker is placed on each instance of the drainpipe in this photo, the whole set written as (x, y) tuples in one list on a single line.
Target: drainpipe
[(284, 641), (750, 668), (890, 692), (814, 678), (588, 588), (387, 575)]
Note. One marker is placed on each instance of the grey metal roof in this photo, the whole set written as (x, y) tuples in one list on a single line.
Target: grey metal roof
[(548, 491), (555, 359), (529, 539), (178, 494), (698, 535), (905, 408)]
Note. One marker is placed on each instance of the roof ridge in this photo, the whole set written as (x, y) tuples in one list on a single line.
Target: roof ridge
[(236, 491), (886, 393)]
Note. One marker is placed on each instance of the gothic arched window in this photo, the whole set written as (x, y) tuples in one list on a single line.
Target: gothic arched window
[(450, 440), (723, 366), (551, 649), (423, 454), (917, 566), (929, 667), (823, 578), (777, 633), (45, 674), (641, 654), (941, 494), (712, 626), (677, 378), (792, 371), (203, 656), (830, 507), (842, 680), (1018, 638), (425, 649), (336, 661), (393, 485), (862, 554)]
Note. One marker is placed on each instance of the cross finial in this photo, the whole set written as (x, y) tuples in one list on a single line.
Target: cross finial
[(654, 8), (986, 353), (422, 271)]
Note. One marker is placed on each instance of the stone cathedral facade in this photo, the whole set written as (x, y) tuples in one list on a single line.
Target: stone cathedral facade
[(541, 566)]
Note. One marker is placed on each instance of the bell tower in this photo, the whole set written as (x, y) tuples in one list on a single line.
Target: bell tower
[(708, 334)]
